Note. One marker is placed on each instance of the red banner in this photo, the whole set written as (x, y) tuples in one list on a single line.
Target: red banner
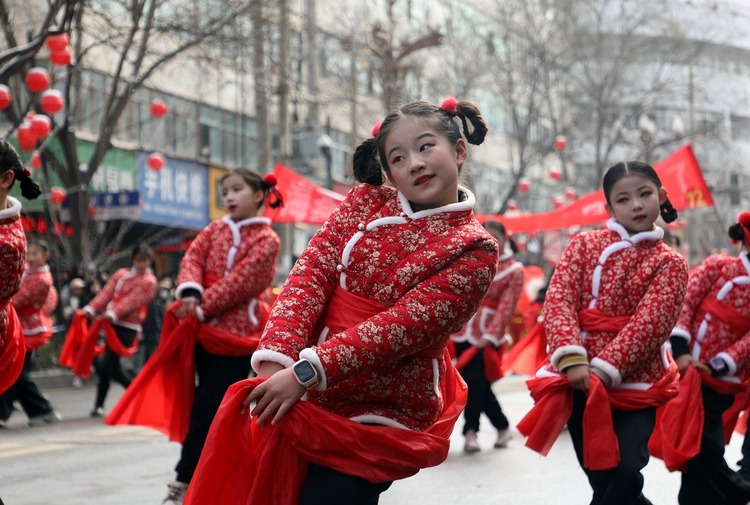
[(304, 201), (680, 175)]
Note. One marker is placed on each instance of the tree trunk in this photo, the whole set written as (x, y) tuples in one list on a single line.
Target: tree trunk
[(261, 88)]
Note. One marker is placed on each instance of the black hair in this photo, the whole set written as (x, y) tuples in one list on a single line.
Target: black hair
[(41, 244), (370, 161), (739, 229), (258, 183), (141, 249), (500, 227), (624, 168), (9, 160)]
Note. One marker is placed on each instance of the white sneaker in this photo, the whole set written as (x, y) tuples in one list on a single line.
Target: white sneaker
[(49, 418), (472, 444), (175, 493), (503, 437)]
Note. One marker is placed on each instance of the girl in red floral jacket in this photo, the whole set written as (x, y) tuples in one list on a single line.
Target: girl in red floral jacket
[(481, 343), (12, 261), (712, 336), (122, 302), (222, 275), (359, 330), (34, 302), (608, 312)]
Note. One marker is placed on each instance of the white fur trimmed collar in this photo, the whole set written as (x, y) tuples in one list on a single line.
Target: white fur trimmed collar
[(13, 209), (656, 234), (461, 206), (245, 222)]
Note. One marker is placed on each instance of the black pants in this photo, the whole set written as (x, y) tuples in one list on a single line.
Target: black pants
[(744, 463), (622, 485), (108, 367), (481, 398), (26, 392), (215, 375), (325, 486), (708, 479)]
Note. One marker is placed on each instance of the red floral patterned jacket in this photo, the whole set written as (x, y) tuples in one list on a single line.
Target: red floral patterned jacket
[(637, 276), (726, 279), (12, 259), (230, 264), (126, 297), (30, 301), (429, 269)]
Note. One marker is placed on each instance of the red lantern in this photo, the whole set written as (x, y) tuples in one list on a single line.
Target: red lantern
[(62, 57), (570, 193), (512, 205), (681, 224), (57, 42), (57, 196), (555, 174), (155, 162), (92, 211), (561, 143), (5, 98), (41, 125), (26, 137), (36, 160), (558, 201), (52, 101), (158, 108), (37, 79), (524, 185), (672, 226)]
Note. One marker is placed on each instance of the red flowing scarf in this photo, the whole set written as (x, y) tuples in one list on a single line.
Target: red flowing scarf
[(726, 314), (529, 355), (553, 406), (38, 339), (162, 393), (81, 344), (12, 351), (236, 446)]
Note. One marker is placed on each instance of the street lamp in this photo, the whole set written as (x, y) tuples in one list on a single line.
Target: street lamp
[(324, 144)]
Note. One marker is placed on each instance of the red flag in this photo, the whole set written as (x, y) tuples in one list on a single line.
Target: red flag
[(304, 201)]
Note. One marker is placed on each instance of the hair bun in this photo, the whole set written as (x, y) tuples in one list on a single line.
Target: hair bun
[(449, 105), (270, 180)]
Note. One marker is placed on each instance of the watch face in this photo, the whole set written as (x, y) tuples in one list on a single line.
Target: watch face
[(304, 371)]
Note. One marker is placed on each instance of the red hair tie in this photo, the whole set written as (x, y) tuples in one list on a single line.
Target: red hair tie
[(449, 105), (27, 172), (744, 220), (270, 179), (376, 129)]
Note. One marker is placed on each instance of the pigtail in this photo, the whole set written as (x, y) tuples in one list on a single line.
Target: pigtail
[(512, 244), (736, 233), (668, 212), (740, 231), (365, 164), (9, 160), (268, 184), (30, 189), (468, 111)]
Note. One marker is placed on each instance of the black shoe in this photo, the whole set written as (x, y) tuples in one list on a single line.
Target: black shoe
[(97, 412)]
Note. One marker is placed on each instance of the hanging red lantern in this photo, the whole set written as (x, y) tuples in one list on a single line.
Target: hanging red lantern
[(555, 174), (5, 97), (524, 185), (512, 205), (558, 201), (26, 137), (92, 211), (681, 224), (41, 125), (155, 162), (672, 226), (57, 41), (570, 193), (57, 196), (561, 143), (52, 101), (61, 58), (158, 108), (36, 160), (37, 79)]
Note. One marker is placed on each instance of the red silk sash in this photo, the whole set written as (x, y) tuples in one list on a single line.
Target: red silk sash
[(554, 404), (258, 456), (528, 355), (346, 309), (12, 350), (81, 344), (726, 314), (162, 394)]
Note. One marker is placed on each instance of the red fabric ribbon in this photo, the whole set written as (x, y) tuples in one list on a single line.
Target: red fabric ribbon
[(528, 355), (726, 314), (12, 351), (162, 393), (596, 320), (258, 456)]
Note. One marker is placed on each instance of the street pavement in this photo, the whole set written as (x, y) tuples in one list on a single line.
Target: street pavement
[(80, 461)]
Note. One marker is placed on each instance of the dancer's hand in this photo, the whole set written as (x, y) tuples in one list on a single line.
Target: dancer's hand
[(274, 397), (579, 377), (683, 362), (187, 307)]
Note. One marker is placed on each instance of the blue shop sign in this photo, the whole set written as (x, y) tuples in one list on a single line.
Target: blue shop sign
[(176, 195)]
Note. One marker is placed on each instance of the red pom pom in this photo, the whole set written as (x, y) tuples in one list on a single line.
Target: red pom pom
[(376, 129), (27, 172), (449, 105), (744, 218), (270, 179)]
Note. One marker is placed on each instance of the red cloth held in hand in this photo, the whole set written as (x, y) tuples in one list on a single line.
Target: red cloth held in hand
[(12, 351)]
